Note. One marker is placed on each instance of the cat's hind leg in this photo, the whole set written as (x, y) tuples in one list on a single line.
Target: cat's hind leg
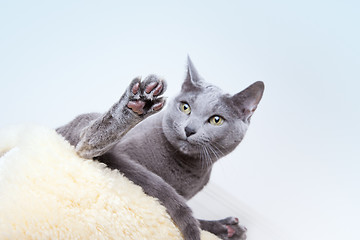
[(94, 134), (226, 229)]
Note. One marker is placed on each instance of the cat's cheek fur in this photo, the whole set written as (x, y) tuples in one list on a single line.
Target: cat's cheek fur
[(180, 144), (171, 124), (230, 137), (235, 137), (175, 138)]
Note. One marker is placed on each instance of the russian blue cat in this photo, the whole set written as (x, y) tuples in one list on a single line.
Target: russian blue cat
[(170, 154)]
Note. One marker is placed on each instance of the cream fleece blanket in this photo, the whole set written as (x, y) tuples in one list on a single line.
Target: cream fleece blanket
[(48, 192)]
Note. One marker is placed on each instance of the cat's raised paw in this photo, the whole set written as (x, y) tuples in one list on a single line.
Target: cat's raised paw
[(145, 96)]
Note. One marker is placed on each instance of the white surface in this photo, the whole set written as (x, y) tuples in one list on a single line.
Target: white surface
[(214, 203), (298, 166)]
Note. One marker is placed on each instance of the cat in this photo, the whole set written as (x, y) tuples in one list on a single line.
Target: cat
[(170, 154)]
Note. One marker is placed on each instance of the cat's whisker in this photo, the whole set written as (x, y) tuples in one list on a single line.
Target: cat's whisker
[(210, 160), (204, 163), (207, 160), (218, 152), (212, 150), (202, 158)]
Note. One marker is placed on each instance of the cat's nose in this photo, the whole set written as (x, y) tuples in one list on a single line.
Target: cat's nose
[(189, 131)]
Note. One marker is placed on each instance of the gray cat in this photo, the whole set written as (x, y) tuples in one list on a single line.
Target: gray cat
[(171, 154)]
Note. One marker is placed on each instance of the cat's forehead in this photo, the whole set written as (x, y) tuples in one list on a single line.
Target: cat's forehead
[(209, 100), (212, 89), (208, 93), (210, 97), (213, 103)]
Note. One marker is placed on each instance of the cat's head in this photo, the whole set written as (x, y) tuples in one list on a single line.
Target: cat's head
[(204, 122)]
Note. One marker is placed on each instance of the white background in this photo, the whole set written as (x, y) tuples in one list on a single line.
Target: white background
[(298, 167)]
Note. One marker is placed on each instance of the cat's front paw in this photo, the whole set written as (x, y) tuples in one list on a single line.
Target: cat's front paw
[(145, 96), (226, 229)]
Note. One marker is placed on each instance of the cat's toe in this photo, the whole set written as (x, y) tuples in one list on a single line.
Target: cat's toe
[(153, 87), (230, 231), (235, 231), (158, 106), (134, 89), (230, 221)]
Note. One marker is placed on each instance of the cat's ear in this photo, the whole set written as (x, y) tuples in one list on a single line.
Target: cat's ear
[(193, 79), (247, 100)]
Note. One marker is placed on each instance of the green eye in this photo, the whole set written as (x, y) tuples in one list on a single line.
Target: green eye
[(216, 120), (185, 108)]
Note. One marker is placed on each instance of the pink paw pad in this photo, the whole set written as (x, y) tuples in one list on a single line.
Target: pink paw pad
[(150, 87), (137, 106), (135, 88), (158, 89), (231, 231), (158, 106)]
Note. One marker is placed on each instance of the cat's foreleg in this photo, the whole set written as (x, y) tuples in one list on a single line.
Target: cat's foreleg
[(155, 186), (93, 135), (227, 229)]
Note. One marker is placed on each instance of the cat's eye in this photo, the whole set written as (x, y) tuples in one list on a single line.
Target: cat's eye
[(216, 120), (185, 108)]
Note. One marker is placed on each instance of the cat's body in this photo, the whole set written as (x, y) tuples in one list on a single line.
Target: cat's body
[(170, 154), (186, 175)]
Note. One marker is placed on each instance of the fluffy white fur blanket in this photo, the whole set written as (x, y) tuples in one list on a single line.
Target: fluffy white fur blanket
[(48, 192)]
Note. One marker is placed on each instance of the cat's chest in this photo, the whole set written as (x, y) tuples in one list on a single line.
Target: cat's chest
[(187, 182), (153, 151)]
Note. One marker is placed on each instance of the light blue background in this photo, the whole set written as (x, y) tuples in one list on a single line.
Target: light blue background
[(298, 166)]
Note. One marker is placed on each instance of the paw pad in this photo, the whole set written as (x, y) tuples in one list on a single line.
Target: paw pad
[(230, 230), (144, 96)]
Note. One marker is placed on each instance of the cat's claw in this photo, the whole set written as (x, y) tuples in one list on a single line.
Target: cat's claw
[(153, 86), (144, 96)]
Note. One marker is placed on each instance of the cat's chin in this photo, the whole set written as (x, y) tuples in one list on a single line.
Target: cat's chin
[(185, 147), (185, 150)]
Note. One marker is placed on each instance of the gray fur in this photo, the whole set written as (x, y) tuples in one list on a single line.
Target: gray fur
[(170, 154)]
